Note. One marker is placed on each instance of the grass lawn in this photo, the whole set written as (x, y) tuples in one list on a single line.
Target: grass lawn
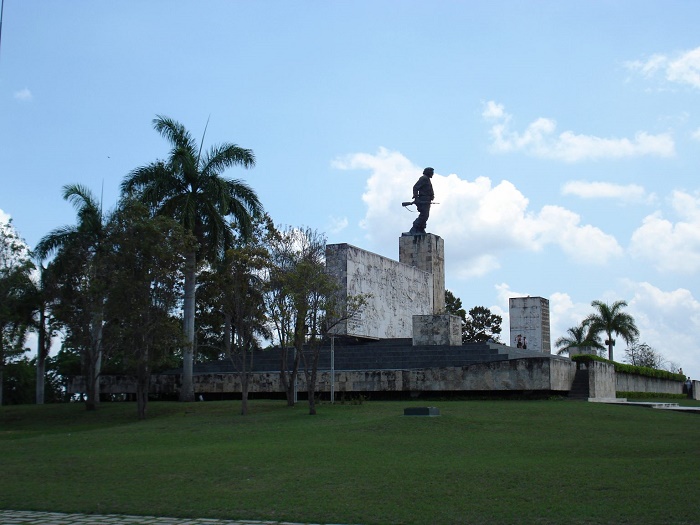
[(486, 462)]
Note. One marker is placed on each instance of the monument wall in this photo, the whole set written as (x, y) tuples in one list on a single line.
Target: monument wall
[(534, 374), (398, 292), (529, 323)]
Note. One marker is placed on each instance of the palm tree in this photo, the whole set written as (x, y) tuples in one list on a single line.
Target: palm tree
[(578, 336), (81, 244), (189, 187), (612, 320)]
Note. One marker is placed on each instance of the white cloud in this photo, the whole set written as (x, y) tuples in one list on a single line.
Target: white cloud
[(671, 247), (4, 217), (337, 224), (23, 95), (683, 68), (539, 140), (607, 190), (668, 321), (696, 135), (482, 221), (583, 243)]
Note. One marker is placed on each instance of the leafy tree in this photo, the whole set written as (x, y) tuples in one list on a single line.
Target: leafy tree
[(16, 296), (296, 256), (578, 336), (641, 354), (244, 311), (145, 264), (80, 282), (610, 319), (20, 385), (232, 296), (188, 186), (304, 305), (45, 325), (453, 305), (481, 326)]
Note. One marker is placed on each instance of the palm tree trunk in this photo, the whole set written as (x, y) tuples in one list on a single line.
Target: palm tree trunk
[(94, 363), (40, 379), (187, 387), (143, 379), (41, 355)]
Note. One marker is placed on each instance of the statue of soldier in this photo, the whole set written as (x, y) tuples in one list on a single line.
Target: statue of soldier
[(423, 195)]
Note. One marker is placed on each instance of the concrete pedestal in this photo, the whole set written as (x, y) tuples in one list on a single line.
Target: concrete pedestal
[(427, 252), (430, 330)]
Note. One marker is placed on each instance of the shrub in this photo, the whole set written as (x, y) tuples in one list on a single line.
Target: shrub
[(631, 369)]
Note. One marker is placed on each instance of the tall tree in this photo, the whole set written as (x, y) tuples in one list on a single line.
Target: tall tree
[(16, 296), (479, 326), (482, 326), (79, 249), (243, 307), (578, 336), (453, 305), (188, 186), (45, 325), (145, 263), (303, 305), (641, 354), (296, 255), (231, 304), (610, 319)]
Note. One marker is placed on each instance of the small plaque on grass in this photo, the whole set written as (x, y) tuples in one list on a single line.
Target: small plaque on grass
[(421, 411)]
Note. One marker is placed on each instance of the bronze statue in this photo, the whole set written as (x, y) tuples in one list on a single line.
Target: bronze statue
[(423, 195)]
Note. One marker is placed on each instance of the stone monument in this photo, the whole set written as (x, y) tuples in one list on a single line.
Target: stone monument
[(529, 323)]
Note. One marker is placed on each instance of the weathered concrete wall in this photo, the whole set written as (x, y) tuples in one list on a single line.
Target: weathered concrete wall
[(637, 383), (427, 252), (533, 374), (601, 380), (437, 330), (529, 319), (399, 292)]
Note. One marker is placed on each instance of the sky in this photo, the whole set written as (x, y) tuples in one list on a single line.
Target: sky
[(565, 136)]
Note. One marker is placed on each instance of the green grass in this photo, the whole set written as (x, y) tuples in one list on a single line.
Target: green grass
[(484, 462)]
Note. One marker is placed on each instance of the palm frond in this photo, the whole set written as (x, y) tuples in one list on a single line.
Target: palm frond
[(175, 133), (53, 240), (219, 158)]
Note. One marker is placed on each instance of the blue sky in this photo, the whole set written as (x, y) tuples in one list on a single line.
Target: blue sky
[(565, 136)]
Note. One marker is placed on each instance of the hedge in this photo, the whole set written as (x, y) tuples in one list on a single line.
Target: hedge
[(631, 369)]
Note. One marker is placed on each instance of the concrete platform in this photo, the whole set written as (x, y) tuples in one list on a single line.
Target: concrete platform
[(648, 404), (25, 517)]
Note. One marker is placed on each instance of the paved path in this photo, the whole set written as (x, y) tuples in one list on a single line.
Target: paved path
[(24, 517)]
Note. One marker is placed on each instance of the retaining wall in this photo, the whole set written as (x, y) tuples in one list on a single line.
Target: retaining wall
[(636, 383), (530, 374)]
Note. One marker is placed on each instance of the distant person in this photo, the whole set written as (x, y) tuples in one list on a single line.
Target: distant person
[(524, 343), (519, 341), (689, 387)]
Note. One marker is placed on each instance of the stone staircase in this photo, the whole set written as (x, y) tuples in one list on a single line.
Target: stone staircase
[(579, 388), (386, 354)]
